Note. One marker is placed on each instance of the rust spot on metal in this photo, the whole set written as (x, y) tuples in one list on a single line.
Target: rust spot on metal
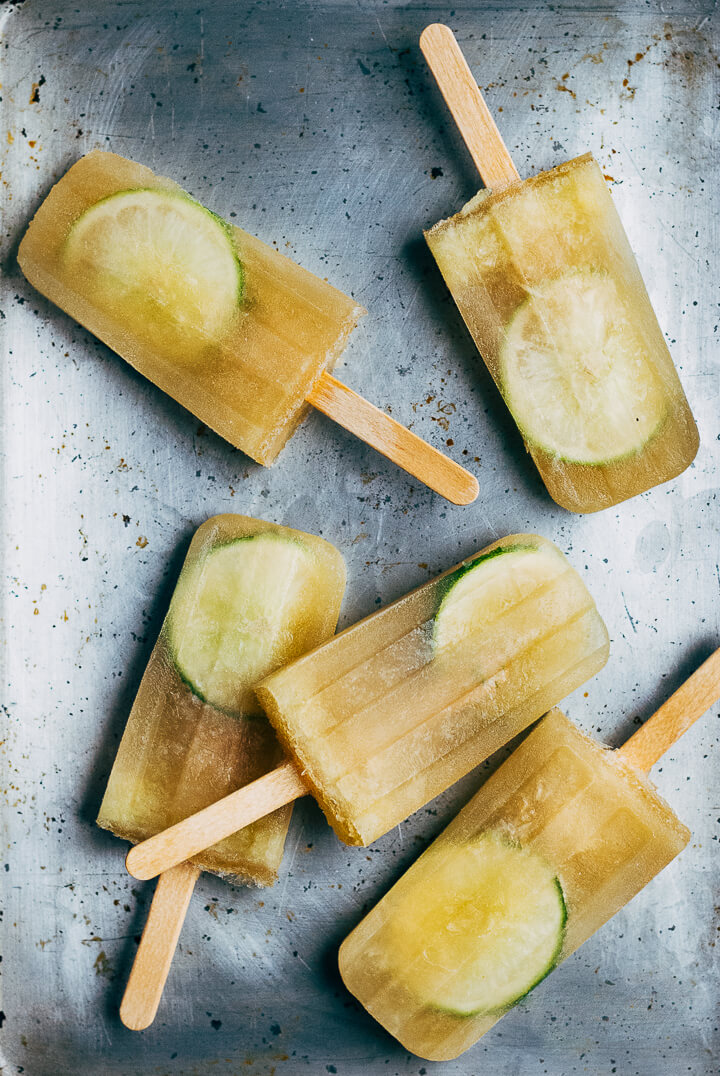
[(35, 92)]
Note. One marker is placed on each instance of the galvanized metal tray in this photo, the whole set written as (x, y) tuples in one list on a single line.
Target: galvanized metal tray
[(317, 126)]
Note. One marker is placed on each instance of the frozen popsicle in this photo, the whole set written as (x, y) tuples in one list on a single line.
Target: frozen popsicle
[(251, 596), (546, 281), (398, 707), (562, 835), (227, 326)]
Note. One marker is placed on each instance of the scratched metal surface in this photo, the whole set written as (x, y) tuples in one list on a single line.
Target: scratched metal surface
[(317, 127)]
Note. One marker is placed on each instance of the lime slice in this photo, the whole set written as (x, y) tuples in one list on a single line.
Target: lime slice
[(237, 614), (161, 265), (576, 373), (477, 926), (481, 591)]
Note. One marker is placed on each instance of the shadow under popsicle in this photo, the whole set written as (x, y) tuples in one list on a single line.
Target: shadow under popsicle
[(518, 464), (694, 655), (117, 714)]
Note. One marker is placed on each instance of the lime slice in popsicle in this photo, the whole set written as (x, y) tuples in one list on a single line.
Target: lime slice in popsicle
[(481, 924), (230, 613), (161, 265), (482, 590), (575, 372)]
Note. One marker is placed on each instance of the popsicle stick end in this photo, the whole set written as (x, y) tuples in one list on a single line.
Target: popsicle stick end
[(691, 700), (465, 492), (132, 1020), (136, 867), (435, 32), (159, 938), (467, 106), (392, 440)]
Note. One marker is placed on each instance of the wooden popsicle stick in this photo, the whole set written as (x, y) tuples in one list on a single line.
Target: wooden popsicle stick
[(284, 784), (157, 946), (467, 105), (674, 717), (221, 819), (393, 440)]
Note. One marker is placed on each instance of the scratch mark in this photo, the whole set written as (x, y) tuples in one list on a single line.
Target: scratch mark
[(632, 622), (289, 861), (303, 963), (632, 162), (387, 43), (696, 261)]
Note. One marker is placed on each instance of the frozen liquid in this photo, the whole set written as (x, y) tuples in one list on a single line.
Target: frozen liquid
[(397, 708), (180, 753), (564, 803), (544, 276), (245, 373)]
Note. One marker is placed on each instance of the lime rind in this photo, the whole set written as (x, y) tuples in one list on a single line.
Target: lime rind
[(450, 582), (169, 628), (188, 664), (553, 961), (182, 197), (609, 461), (454, 577), (555, 958), (482, 924), (160, 262)]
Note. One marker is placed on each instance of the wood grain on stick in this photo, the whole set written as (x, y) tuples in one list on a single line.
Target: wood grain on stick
[(674, 717), (393, 440), (221, 819), (157, 946), (467, 105)]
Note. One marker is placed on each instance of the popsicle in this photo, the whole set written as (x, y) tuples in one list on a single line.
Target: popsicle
[(251, 596), (397, 708), (235, 332), (560, 838), (546, 281)]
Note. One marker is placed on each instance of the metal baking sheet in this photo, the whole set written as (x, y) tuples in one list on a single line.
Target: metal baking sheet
[(317, 127)]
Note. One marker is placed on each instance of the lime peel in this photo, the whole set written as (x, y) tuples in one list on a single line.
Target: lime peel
[(479, 925), (161, 265), (235, 615)]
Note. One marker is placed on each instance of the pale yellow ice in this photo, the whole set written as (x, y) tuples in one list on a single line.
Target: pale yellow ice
[(179, 753), (545, 279), (397, 708), (565, 807), (224, 324)]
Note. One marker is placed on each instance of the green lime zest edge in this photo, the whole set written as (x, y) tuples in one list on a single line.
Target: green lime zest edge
[(453, 577), (181, 195), (165, 632), (552, 963)]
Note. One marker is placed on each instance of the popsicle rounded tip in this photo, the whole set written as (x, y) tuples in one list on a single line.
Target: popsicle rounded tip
[(134, 1020), (466, 491), (435, 31), (136, 865)]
